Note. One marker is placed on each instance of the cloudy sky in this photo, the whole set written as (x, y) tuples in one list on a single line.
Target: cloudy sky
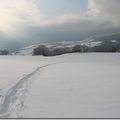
[(25, 22)]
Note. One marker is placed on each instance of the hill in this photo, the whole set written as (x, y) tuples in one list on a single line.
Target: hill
[(109, 43)]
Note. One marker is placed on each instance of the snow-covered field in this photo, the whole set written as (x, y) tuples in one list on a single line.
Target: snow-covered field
[(71, 85)]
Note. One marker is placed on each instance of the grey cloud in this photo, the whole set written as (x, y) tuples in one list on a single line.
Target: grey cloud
[(67, 31), (101, 18), (105, 10)]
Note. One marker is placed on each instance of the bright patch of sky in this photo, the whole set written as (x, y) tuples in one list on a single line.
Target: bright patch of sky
[(52, 8)]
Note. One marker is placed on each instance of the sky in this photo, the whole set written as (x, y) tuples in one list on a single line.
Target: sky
[(60, 7), (26, 22)]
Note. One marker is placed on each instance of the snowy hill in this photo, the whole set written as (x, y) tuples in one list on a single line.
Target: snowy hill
[(109, 43), (28, 51)]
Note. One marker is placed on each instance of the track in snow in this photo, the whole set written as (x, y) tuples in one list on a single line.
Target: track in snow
[(13, 101)]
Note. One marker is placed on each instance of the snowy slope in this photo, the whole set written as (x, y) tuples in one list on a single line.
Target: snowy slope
[(111, 40), (27, 51), (71, 85)]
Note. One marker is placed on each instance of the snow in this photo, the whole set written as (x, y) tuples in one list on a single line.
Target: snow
[(25, 51), (113, 41), (71, 85)]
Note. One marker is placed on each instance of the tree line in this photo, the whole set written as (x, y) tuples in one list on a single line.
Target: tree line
[(4, 52), (45, 51)]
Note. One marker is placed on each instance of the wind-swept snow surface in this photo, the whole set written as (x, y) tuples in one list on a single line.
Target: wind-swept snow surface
[(72, 85)]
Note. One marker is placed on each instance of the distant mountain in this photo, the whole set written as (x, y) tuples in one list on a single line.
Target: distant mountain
[(60, 47), (108, 43)]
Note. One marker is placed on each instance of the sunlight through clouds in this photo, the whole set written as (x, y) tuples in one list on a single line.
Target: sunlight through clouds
[(15, 12), (33, 21)]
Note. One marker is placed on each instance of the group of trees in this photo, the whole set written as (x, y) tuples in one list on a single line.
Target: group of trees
[(41, 50), (107, 46), (110, 43), (4, 52), (80, 48), (45, 51), (104, 48)]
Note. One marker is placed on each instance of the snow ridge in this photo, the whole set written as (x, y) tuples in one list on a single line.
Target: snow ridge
[(13, 101)]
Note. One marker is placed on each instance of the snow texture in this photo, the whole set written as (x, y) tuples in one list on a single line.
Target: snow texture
[(71, 85)]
